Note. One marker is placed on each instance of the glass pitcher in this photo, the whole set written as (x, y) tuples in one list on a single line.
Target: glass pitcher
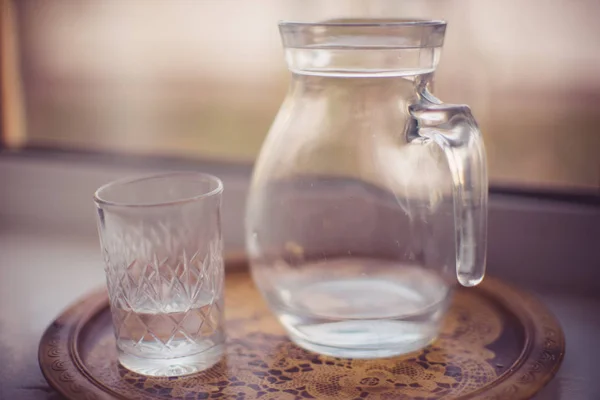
[(369, 197)]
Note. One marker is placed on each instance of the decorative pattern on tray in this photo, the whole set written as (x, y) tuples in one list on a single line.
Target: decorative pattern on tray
[(496, 343)]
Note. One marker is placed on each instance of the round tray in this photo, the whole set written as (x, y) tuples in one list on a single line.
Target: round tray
[(497, 343)]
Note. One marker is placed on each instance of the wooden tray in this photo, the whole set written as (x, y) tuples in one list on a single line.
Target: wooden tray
[(497, 343)]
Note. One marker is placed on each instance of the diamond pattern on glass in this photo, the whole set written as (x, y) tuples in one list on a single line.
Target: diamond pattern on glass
[(164, 304)]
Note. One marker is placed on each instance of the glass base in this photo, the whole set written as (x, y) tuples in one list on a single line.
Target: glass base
[(172, 366), (363, 353)]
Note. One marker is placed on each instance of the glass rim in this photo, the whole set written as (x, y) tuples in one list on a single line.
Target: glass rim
[(365, 23), (139, 178)]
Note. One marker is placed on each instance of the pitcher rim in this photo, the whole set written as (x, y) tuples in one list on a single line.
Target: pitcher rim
[(365, 22)]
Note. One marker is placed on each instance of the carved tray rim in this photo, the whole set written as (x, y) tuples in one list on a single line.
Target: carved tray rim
[(536, 365)]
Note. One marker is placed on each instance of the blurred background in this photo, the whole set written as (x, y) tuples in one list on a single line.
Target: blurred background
[(204, 79), (94, 90)]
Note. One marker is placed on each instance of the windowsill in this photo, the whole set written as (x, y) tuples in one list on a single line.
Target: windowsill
[(49, 256)]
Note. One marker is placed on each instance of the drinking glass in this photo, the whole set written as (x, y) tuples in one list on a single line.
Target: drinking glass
[(161, 240)]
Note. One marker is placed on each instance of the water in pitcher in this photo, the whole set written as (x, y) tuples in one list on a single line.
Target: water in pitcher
[(175, 339), (359, 272), (369, 197), (360, 308)]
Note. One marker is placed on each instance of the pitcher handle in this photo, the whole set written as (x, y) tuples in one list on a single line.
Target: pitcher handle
[(454, 129)]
